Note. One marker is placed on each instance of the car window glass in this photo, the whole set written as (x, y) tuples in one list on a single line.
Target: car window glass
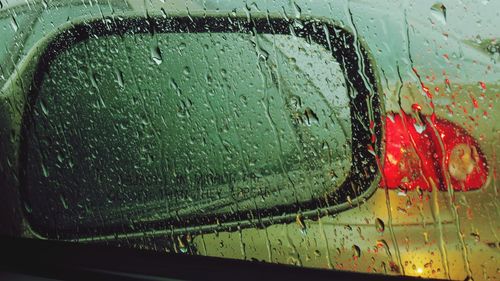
[(153, 127)]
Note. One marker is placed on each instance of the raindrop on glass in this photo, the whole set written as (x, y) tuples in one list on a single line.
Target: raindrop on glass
[(379, 225), (438, 11), (156, 55), (13, 24), (356, 251)]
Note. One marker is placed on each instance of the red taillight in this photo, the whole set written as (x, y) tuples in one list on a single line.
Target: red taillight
[(422, 153)]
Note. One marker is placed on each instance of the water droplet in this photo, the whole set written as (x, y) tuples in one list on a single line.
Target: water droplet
[(262, 54), (64, 203), (356, 251), (43, 107), (383, 267), (27, 208), (383, 244), (163, 13), (119, 78), (182, 246), (93, 80), (379, 225), (156, 55), (419, 127), (476, 236), (298, 10), (295, 102), (45, 172), (13, 24), (183, 108), (438, 10), (300, 222), (416, 107), (310, 117), (293, 261), (394, 267), (390, 116)]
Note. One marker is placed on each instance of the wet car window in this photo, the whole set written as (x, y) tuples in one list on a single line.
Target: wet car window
[(210, 119), (354, 135)]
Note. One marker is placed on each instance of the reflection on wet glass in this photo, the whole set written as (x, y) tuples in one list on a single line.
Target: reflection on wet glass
[(153, 127)]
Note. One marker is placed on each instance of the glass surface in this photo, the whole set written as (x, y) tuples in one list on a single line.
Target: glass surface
[(435, 214), (145, 127)]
